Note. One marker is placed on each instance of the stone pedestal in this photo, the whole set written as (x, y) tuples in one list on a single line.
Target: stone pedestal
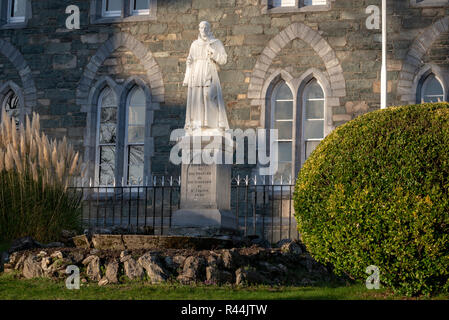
[(205, 189)]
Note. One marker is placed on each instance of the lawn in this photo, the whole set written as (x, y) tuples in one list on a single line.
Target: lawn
[(45, 289)]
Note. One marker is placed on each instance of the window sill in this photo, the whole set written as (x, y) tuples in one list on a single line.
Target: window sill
[(316, 8), (14, 25), (429, 4), (136, 18)]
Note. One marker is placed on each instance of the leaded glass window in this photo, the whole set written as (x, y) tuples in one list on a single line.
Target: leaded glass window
[(107, 137)]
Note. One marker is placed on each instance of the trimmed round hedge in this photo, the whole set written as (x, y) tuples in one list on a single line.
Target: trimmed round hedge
[(376, 192)]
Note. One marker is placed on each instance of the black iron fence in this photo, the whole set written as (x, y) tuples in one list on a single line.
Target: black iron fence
[(261, 207)]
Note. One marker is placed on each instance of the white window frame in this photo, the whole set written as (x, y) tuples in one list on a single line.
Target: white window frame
[(295, 3), (97, 141), (299, 110), (126, 143), (294, 121), (303, 118), (141, 12), (299, 6), (10, 17), (110, 14)]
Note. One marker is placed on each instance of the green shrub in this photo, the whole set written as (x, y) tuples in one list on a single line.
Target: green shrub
[(34, 178), (376, 192)]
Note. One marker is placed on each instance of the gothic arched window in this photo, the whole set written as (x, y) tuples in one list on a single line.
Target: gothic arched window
[(135, 136), (300, 122), (106, 137), (432, 89), (313, 115), (11, 105)]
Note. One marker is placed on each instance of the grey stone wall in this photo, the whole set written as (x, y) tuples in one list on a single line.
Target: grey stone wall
[(60, 66)]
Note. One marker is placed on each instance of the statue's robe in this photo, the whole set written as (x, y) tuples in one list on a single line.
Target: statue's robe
[(205, 105)]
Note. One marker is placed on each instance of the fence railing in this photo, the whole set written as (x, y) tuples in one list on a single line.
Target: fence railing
[(261, 207)]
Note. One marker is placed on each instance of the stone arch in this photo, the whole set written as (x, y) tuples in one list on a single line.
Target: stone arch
[(318, 44), (28, 87), (145, 56), (413, 62)]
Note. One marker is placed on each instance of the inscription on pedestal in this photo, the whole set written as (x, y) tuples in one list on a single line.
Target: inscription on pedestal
[(199, 184)]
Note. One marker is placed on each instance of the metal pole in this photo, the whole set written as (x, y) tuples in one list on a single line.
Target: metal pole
[(383, 89)]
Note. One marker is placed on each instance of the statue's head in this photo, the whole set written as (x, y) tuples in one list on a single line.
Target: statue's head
[(205, 32)]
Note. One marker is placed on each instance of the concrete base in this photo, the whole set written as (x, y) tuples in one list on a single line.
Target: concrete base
[(201, 218), (205, 191)]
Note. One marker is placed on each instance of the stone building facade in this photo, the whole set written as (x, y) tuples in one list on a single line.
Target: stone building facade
[(308, 65)]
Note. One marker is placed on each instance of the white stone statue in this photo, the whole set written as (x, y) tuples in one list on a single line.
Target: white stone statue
[(206, 112)]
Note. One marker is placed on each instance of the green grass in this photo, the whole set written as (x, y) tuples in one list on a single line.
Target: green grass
[(45, 289)]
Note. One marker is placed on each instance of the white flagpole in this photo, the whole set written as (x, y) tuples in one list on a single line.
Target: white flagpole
[(383, 76)]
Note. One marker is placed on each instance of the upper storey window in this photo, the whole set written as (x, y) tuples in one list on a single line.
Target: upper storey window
[(285, 6), (429, 3), (14, 13), (112, 8), (140, 7), (284, 3), (111, 11)]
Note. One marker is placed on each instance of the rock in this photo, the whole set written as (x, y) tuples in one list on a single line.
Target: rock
[(153, 268), (216, 276), (32, 268), (77, 257), (124, 256), (20, 261), (263, 243), (282, 268), (13, 257), (57, 255), (179, 260), (81, 241), (93, 267), (133, 270), (170, 264), (108, 242), (269, 267), (103, 282), (45, 263), (231, 259), (25, 243), (94, 251), (54, 245), (42, 254), (58, 267), (249, 276), (112, 271), (290, 247), (66, 237), (193, 270), (308, 263)]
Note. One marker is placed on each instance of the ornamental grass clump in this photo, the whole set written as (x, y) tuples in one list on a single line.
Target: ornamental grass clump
[(376, 192), (35, 175)]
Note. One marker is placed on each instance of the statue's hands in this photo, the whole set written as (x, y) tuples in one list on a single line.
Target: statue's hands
[(210, 52), (189, 60)]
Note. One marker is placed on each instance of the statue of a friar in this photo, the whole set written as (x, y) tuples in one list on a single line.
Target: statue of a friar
[(205, 106)]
